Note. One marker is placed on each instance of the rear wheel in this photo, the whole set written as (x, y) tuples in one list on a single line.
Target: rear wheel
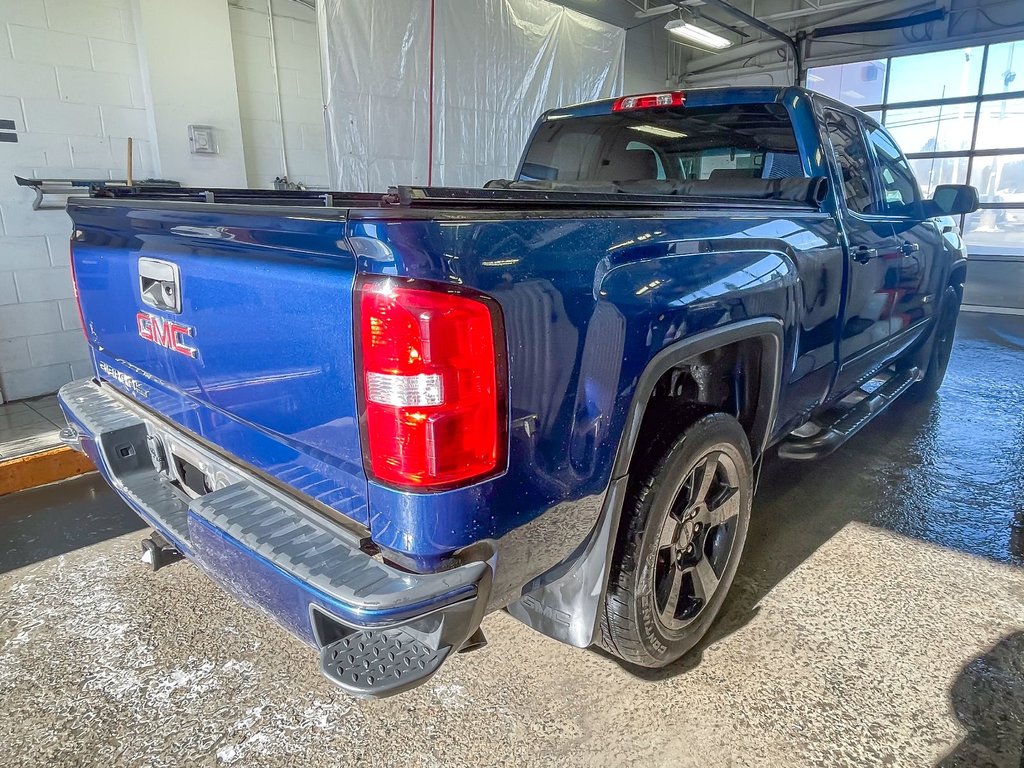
[(937, 361), (683, 530)]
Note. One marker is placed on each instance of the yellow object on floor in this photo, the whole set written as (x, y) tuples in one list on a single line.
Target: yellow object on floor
[(37, 469)]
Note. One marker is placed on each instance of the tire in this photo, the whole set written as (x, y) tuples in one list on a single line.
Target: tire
[(684, 524), (941, 346)]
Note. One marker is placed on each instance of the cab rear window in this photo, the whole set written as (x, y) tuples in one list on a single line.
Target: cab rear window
[(751, 141)]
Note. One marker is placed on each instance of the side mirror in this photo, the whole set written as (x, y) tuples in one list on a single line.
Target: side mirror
[(953, 200)]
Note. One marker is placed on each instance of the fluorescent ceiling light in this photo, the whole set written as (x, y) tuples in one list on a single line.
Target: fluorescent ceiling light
[(697, 36), (656, 130)]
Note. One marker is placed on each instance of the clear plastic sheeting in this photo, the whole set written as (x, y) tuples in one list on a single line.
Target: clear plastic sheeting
[(504, 63), (497, 65), (375, 65)]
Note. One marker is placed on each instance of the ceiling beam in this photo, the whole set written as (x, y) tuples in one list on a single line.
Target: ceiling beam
[(819, 10), (858, 11), (769, 30)]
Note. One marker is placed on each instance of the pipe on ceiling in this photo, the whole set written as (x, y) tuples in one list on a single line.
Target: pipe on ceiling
[(879, 26), (768, 29)]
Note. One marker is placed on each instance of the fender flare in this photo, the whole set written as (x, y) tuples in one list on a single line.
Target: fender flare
[(566, 603), (770, 329)]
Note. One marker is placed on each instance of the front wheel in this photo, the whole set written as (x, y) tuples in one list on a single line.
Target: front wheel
[(683, 529), (937, 361)]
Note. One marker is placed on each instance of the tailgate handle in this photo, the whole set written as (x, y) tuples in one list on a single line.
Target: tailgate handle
[(159, 284)]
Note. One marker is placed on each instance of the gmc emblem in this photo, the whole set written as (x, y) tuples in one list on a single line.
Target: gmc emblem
[(166, 333)]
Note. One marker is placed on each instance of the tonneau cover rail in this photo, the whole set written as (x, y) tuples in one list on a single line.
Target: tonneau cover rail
[(464, 197), (232, 196), (604, 197)]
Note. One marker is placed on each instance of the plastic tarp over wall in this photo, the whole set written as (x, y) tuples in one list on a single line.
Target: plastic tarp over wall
[(445, 92)]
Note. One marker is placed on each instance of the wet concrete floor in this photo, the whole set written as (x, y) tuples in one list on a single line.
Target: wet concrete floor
[(877, 619)]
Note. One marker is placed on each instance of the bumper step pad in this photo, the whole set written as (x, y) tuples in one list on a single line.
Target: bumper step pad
[(377, 663)]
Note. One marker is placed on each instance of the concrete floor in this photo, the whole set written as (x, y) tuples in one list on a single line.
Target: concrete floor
[(878, 619)]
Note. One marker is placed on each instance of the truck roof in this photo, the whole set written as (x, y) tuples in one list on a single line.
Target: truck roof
[(704, 97)]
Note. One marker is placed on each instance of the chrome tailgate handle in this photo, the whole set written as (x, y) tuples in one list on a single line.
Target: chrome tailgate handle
[(159, 284)]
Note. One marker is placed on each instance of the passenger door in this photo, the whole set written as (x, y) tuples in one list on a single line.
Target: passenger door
[(873, 254), (919, 240)]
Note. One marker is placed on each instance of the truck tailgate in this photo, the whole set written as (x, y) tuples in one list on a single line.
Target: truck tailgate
[(233, 324)]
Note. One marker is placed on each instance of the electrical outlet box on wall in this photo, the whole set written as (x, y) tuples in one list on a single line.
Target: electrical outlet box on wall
[(202, 140)]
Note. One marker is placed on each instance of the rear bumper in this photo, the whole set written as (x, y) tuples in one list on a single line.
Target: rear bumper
[(379, 630)]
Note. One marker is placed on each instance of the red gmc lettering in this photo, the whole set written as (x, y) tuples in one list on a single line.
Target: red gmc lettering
[(166, 333)]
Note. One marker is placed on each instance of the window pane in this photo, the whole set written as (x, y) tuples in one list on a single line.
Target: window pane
[(948, 128), (858, 84), (938, 75), (932, 171), (994, 283), (995, 231), (852, 158), (898, 183), (1001, 125), (999, 179), (747, 140), (1005, 70)]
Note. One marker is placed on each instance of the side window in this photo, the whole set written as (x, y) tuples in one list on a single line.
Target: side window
[(851, 153), (899, 186)]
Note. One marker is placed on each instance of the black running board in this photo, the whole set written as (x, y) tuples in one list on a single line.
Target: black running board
[(848, 422)]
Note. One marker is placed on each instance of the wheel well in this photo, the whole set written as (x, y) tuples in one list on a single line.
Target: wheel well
[(726, 379)]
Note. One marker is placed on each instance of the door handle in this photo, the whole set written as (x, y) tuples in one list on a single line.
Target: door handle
[(862, 254), (908, 248)]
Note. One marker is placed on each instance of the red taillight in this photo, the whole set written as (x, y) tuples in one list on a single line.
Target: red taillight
[(649, 101), (433, 383)]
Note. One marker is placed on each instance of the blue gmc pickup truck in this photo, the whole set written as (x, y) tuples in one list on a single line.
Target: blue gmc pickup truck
[(379, 417)]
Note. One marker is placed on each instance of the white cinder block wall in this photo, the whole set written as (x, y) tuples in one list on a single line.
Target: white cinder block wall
[(71, 82), (78, 77), (189, 71), (295, 42)]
